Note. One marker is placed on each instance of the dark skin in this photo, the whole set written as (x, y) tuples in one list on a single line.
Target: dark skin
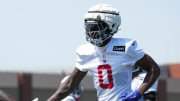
[(153, 72), (146, 63), (134, 74), (68, 86)]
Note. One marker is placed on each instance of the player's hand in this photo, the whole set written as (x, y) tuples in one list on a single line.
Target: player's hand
[(35, 99), (133, 96)]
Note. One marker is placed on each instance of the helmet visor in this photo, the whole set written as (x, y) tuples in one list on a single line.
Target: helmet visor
[(96, 32), (94, 29)]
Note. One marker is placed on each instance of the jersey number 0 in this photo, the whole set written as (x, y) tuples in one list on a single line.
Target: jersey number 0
[(109, 76)]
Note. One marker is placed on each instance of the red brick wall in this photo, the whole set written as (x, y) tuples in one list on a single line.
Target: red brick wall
[(174, 70)]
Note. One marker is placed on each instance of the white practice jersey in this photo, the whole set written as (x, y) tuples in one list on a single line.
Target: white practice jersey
[(137, 81), (69, 98), (110, 66)]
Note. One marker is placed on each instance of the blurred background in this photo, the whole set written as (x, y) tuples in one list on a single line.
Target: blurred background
[(38, 39)]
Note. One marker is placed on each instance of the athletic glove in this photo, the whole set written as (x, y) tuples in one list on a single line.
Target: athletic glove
[(133, 96)]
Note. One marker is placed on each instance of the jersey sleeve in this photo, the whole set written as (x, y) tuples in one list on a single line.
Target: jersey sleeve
[(80, 61), (134, 51)]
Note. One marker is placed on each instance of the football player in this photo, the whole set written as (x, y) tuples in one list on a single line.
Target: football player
[(110, 60)]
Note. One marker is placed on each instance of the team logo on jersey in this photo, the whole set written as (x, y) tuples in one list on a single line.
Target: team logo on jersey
[(119, 48)]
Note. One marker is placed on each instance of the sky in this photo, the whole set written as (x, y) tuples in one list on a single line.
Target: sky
[(42, 35)]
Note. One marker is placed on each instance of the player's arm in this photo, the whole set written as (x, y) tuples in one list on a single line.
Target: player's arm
[(68, 86), (135, 73), (153, 72)]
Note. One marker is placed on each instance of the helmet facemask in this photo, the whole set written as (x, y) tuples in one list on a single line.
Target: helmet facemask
[(97, 32)]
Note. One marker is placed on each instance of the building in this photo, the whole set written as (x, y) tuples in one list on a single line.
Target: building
[(26, 86)]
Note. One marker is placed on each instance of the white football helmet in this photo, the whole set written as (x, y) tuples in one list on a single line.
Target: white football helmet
[(101, 22)]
